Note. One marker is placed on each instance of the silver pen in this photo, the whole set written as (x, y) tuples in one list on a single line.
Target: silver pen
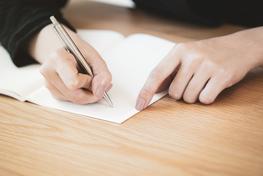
[(71, 47)]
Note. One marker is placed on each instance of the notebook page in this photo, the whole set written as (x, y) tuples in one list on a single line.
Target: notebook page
[(130, 63), (17, 82), (101, 40)]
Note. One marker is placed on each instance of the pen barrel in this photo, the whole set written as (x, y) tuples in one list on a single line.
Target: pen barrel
[(72, 48)]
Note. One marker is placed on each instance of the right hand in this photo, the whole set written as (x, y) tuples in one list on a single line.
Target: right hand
[(63, 77), (65, 81)]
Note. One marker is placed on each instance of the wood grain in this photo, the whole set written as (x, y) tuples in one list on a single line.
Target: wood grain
[(168, 138)]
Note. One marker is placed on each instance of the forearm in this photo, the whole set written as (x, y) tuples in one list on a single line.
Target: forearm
[(21, 20), (251, 41), (245, 45)]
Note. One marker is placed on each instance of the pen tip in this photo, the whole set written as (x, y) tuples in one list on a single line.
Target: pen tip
[(107, 99)]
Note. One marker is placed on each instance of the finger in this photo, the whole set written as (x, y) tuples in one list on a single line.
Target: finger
[(49, 73), (196, 85), (67, 70), (211, 90), (155, 79), (56, 94), (78, 96), (166, 83), (190, 63), (102, 76), (82, 96), (180, 82)]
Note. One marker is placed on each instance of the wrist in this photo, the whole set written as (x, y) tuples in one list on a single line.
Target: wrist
[(252, 45), (45, 42)]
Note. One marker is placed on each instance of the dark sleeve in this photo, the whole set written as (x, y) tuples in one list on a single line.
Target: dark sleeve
[(175, 9), (22, 19), (208, 12), (245, 13)]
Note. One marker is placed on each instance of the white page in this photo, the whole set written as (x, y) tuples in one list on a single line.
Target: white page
[(100, 39), (20, 82), (130, 63)]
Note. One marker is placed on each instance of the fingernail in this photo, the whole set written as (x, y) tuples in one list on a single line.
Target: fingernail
[(100, 91), (109, 88), (140, 105)]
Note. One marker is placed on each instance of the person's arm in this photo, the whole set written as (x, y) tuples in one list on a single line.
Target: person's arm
[(26, 32), (21, 20), (201, 70)]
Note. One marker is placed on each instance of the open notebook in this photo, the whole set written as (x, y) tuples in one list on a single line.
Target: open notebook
[(130, 60)]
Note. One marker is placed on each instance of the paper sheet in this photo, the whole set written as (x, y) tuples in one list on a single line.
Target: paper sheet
[(130, 63), (18, 82)]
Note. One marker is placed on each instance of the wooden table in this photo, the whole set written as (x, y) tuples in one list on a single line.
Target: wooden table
[(168, 138)]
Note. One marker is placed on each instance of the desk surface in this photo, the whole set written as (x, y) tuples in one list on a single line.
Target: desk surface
[(168, 138)]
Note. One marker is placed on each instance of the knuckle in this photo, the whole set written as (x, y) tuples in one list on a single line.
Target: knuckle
[(43, 71), (208, 66), (187, 47), (208, 63), (182, 46), (146, 92), (191, 63), (223, 72), (72, 84), (54, 57)]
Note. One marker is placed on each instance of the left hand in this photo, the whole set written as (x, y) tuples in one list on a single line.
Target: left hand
[(201, 70)]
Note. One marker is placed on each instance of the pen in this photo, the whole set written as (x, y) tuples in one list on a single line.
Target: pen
[(71, 47)]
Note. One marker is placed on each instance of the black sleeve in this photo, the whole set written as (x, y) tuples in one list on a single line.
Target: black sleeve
[(208, 12), (246, 12), (175, 9), (21, 19)]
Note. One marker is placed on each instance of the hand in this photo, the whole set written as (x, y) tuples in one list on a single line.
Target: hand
[(63, 77), (201, 70)]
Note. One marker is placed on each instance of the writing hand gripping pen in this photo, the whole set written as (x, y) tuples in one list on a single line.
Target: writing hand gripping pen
[(71, 47)]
